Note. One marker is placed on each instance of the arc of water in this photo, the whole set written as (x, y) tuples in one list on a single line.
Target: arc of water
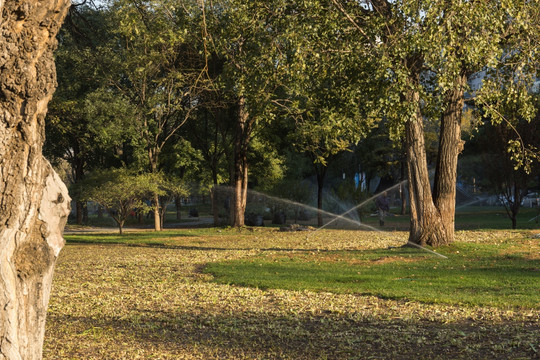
[(342, 216), (468, 204), (309, 207)]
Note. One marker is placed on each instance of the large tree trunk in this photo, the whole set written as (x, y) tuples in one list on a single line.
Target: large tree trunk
[(433, 212), (450, 145), (426, 226), (34, 203), (240, 166)]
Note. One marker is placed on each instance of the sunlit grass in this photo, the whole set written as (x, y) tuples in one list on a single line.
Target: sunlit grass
[(473, 274)]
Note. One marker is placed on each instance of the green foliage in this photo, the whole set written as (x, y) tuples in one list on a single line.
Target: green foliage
[(86, 125), (153, 62), (245, 36), (267, 167), (422, 47), (489, 161), (121, 191), (324, 81)]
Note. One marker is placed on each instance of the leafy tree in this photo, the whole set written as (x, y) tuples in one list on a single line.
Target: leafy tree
[(491, 164), (427, 50), (120, 191), (210, 133), (153, 61), (322, 97), (181, 164), (244, 36), (172, 189), (85, 125)]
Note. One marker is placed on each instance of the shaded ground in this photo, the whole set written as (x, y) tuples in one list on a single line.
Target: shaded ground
[(142, 302)]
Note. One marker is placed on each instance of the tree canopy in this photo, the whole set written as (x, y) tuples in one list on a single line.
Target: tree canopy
[(212, 91)]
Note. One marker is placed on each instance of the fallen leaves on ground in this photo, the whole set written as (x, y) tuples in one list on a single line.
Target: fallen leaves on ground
[(144, 302)]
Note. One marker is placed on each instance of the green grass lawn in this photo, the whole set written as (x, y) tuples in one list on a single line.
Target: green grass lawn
[(502, 275)]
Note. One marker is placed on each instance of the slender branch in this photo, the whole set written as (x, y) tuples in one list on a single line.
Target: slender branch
[(351, 20)]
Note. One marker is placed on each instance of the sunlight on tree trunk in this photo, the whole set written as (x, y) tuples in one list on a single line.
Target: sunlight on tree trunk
[(426, 227), (34, 203)]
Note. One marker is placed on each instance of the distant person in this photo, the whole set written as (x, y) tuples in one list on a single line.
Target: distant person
[(383, 206)]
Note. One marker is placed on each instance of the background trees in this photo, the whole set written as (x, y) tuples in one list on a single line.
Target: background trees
[(85, 125), (154, 63), (214, 90)]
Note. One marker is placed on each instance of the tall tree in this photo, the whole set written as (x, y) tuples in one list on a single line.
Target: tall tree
[(211, 134), (427, 51), (153, 61), (244, 36), (490, 162), (34, 203), (324, 71), (87, 126)]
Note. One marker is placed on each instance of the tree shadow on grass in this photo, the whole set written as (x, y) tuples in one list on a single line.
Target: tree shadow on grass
[(298, 336)]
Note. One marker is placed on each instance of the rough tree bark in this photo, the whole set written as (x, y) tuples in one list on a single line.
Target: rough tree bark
[(433, 212), (425, 227), (34, 203), (450, 146)]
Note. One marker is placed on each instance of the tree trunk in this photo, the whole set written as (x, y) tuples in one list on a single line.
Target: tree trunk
[(214, 192), (154, 161), (178, 205), (34, 203), (99, 212), (321, 173), (240, 165), (157, 217), (79, 212), (215, 206), (450, 145), (425, 227), (163, 210), (85, 212)]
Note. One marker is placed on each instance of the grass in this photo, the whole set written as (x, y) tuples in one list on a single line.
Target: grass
[(474, 274), (146, 296)]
